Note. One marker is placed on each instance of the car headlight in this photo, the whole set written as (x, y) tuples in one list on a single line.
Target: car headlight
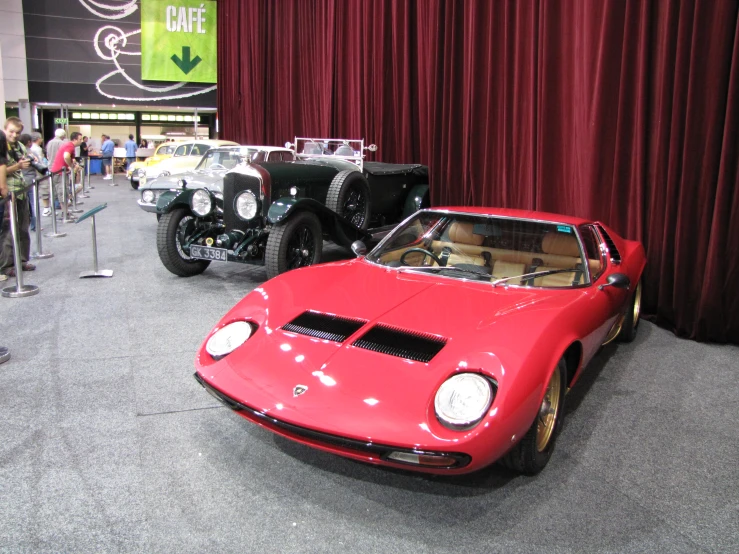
[(140, 173), (201, 202), (462, 400), (246, 205), (228, 338), (147, 196)]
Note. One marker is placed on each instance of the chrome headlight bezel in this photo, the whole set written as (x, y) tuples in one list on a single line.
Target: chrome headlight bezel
[(228, 338), (246, 205), (148, 196), (201, 203), (475, 394)]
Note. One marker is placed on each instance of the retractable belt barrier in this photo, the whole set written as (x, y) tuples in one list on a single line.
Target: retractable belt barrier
[(19, 290)]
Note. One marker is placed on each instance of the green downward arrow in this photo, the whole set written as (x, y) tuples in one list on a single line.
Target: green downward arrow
[(186, 64)]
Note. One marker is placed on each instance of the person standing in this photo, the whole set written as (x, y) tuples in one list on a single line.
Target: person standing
[(54, 144), (65, 158), (106, 150), (37, 148), (14, 160), (130, 151)]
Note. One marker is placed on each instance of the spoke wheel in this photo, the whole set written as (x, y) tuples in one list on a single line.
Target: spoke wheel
[(548, 412), (298, 243), (532, 453), (349, 196), (174, 230)]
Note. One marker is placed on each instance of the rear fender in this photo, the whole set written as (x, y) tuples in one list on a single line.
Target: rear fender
[(331, 223), (417, 199)]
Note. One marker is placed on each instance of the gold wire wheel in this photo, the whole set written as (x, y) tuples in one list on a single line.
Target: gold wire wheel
[(637, 303), (548, 411)]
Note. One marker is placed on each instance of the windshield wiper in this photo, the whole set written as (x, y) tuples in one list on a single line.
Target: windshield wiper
[(438, 268), (535, 274)]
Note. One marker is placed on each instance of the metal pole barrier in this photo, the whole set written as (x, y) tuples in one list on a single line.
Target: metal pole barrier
[(83, 174), (65, 212), (52, 199), (112, 172), (39, 254), (87, 173), (19, 290), (73, 188)]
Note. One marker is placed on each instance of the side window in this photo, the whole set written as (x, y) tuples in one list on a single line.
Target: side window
[(274, 157), (288, 157), (199, 149), (182, 150), (596, 257)]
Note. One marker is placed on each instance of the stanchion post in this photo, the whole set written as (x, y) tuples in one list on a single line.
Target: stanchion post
[(87, 172), (65, 199), (112, 172), (73, 192), (39, 254), (83, 171), (52, 198), (19, 290)]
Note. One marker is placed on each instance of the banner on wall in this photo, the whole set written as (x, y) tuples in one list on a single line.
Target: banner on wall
[(178, 40)]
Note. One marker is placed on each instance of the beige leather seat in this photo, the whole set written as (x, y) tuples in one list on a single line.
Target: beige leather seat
[(567, 251), (508, 269), (463, 233)]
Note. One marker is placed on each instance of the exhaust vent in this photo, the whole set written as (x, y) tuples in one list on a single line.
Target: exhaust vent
[(403, 344), (324, 326)]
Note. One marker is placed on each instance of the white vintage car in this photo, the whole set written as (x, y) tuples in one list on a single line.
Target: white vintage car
[(186, 156)]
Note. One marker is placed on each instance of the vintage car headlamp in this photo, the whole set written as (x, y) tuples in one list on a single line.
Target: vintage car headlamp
[(228, 338), (148, 197), (139, 173), (201, 202), (246, 205), (462, 400)]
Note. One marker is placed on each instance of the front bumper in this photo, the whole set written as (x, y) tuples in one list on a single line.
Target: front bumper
[(378, 454), (147, 207)]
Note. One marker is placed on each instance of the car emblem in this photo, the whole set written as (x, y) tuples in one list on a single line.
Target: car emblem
[(299, 389)]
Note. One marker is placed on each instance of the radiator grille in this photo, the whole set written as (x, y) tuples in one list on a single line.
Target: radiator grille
[(324, 326), (403, 344)]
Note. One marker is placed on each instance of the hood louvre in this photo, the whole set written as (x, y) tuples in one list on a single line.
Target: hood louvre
[(324, 326), (401, 343)]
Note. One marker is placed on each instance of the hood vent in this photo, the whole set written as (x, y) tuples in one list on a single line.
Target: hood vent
[(324, 326), (403, 344)]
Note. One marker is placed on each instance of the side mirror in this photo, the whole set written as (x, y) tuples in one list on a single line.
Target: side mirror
[(372, 148), (359, 248), (618, 280), (289, 145)]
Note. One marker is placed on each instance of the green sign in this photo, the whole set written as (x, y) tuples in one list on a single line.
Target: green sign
[(61, 120), (178, 40)]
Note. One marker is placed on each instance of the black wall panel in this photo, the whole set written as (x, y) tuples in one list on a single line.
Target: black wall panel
[(65, 67)]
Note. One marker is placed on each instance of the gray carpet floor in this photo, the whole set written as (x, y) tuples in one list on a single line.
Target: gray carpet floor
[(107, 443)]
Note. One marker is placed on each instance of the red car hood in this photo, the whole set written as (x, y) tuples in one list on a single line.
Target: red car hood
[(368, 395)]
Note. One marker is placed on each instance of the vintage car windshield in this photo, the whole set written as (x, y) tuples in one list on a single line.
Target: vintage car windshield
[(220, 159), (498, 250)]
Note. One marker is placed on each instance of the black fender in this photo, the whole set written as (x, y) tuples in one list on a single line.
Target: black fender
[(417, 199), (171, 199), (338, 228)]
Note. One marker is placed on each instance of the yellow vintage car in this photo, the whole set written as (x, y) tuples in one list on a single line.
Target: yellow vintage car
[(162, 152)]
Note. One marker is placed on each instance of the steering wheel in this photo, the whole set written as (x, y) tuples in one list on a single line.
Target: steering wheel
[(217, 166), (422, 251)]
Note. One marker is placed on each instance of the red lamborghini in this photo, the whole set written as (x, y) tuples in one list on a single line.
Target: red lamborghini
[(448, 347)]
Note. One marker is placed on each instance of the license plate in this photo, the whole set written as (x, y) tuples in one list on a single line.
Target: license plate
[(208, 253)]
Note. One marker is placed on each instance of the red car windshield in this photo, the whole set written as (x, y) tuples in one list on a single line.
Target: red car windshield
[(502, 251)]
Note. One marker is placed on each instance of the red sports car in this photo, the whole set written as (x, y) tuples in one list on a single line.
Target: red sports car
[(450, 346)]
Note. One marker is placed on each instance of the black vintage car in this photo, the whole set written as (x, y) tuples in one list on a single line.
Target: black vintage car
[(277, 214)]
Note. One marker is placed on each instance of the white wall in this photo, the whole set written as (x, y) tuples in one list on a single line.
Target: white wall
[(14, 77)]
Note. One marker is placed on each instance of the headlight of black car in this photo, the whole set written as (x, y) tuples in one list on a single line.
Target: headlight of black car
[(463, 399), (246, 205), (148, 196), (201, 202)]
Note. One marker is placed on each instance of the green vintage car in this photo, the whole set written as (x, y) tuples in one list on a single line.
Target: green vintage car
[(278, 214)]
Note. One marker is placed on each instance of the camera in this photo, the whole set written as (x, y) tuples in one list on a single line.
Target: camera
[(41, 168)]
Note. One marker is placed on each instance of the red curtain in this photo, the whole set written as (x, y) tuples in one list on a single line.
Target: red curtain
[(622, 111)]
